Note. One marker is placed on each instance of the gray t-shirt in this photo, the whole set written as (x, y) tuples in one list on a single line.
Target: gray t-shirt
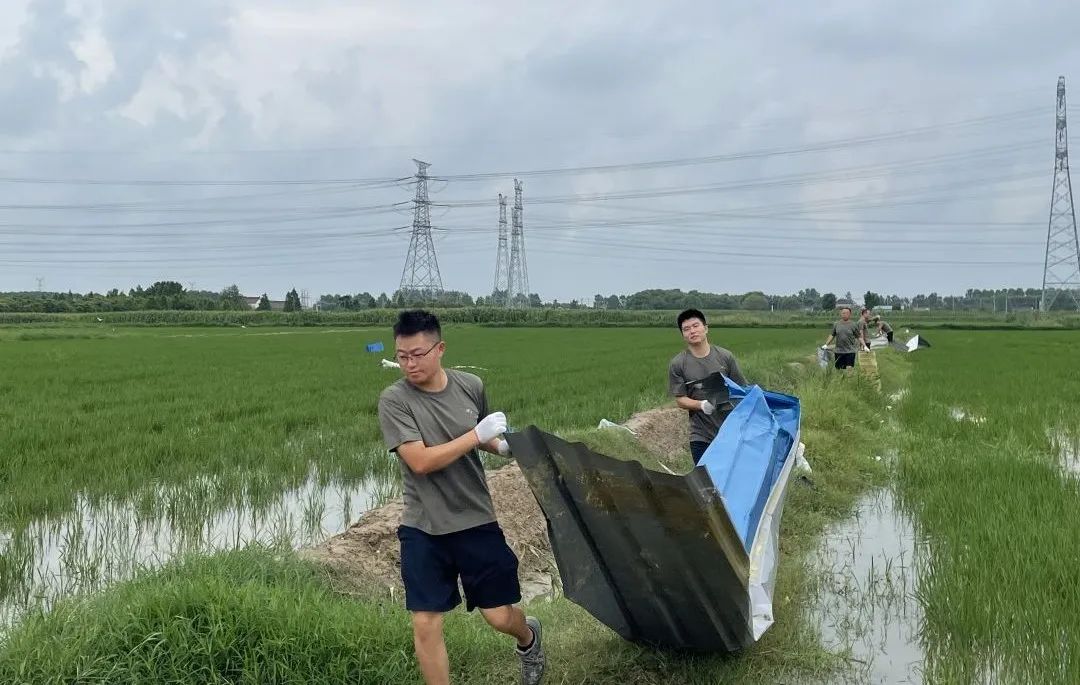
[(847, 335), (453, 498), (685, 369)]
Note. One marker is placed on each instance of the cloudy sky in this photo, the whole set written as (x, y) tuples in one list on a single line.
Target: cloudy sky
[(844, 145)]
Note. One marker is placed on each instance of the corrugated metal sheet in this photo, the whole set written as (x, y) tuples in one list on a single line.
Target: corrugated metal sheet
[(652, 556)]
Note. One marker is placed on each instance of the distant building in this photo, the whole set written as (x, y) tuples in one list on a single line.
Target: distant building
[(275, 305), (841, 303)]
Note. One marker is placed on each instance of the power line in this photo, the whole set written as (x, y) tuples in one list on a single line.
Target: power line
[(323, 229), (202, 204), (825, 146), (37, 180), (907, 106), (764, 258), (801, 180)]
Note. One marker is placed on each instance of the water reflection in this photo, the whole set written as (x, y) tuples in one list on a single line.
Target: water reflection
[(103, 541), (1067, 446), (865, 606)]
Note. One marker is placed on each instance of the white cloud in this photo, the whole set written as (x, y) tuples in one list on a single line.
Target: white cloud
[(250, 89)]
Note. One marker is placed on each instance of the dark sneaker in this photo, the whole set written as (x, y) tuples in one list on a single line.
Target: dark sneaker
[(533, 661)]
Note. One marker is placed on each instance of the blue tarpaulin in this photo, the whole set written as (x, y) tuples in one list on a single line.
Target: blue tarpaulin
[(745, 458), (375, 347)]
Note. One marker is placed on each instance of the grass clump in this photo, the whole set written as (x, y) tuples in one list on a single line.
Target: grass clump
[(247, 616)]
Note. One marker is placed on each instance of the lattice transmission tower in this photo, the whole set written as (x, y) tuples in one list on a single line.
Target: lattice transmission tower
[(421, 277), (518, 295), (501, 290), (1061, 270)]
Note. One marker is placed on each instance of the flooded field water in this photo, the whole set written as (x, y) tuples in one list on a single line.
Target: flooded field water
[(102, 542)]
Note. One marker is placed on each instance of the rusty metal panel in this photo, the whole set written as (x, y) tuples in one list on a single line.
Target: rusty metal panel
[(653, 556)]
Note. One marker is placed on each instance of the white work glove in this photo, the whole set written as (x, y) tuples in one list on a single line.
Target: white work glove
[(707, 407), (503, 447), (824, 347), (491, 426)]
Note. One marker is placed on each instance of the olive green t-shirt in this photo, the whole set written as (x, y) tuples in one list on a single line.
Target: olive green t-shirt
[(684, 369), (456, 497), (847, 335)]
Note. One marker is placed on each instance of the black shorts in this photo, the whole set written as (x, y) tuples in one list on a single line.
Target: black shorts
[(888, 336), (431, 564), (845, 360)]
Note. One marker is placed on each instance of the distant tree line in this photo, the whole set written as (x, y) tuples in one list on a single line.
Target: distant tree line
[(170, 295), (809, 299), (163, 295)]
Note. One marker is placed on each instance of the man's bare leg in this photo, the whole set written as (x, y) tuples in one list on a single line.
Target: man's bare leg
[(431, 648), (509, 620)]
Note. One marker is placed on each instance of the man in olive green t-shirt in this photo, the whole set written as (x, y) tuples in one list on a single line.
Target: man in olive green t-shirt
[(883, 328), (695, 363), (435, 420), (849, 338), (864, 328)]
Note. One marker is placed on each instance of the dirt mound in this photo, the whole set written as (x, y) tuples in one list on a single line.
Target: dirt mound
[(368, 550), (662, 431)]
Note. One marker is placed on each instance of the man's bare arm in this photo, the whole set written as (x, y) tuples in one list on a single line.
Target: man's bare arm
[(423, 460), (688, 404)]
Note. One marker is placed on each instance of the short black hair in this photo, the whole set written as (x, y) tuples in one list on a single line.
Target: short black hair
[(690, 314), (845, 307), (413, 321)]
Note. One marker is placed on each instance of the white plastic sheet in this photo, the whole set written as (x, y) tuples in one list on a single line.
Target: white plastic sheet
[(765, 552), (604, 423)]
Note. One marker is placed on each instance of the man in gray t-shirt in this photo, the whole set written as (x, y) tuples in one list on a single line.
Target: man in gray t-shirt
[(883, 328), (849, 339), (696, 363), (864, 329), (436, 420)]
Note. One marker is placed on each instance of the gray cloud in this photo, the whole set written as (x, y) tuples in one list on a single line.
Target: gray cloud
[(28, 79), (292, 91)]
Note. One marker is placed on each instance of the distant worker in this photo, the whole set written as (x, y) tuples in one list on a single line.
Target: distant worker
[(848, 336), (435, 420), (883, 328), (698, 361), (864, 328)]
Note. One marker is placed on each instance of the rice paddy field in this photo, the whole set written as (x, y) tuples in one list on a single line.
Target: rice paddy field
[(154, 482), (988, 472)]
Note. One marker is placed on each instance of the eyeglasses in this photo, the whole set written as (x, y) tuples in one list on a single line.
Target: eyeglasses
[(404, 358)]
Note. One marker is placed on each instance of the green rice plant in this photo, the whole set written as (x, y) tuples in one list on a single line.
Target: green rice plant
[(208, 422), (980, 472)]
